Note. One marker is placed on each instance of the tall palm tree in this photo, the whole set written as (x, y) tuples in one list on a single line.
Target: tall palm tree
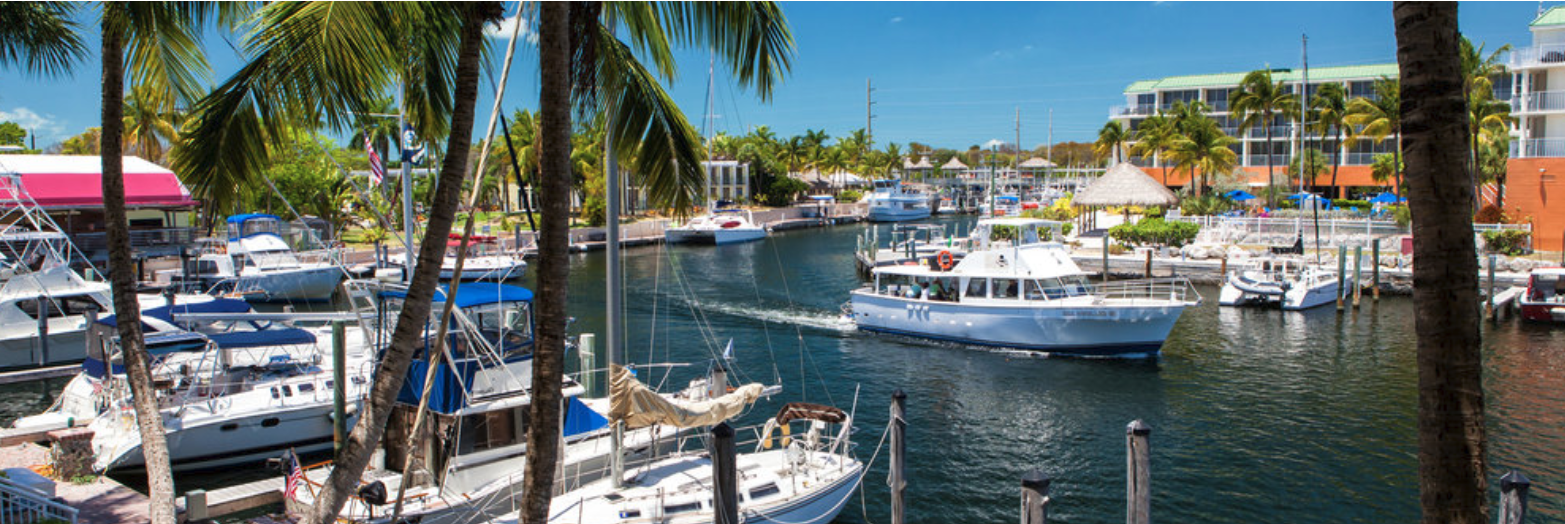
[(1202, 146), (1153, 138), (1259, 101), (585, 67), (1111, 141), (42, 38), (1377, 118), (151, 120), (1330, 105), (1489, 122), (1478, 71), (793, 153), (1451, 440)]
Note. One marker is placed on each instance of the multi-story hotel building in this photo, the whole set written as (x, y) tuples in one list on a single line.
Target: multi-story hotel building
[(727, 180), (1537, 162)]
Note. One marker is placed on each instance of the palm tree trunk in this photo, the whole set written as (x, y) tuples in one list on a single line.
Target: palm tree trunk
[(1336, 163), (122, 281), (554, 143), (1451, 439), (409, 331), (1396, 163), (1271, 183)]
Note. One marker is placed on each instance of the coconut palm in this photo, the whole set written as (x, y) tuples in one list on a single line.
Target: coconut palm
[(1478, 72), (1330, 106), (1259, 101), (1202, 146), (1451, 426), (43, 38), (1377, 118), (1489, 123), (1111, 141), (1153, 138), (793, 153), (150, 121)]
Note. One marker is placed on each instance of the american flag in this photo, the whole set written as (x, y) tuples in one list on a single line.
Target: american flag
[(295, 473), (377, 171)]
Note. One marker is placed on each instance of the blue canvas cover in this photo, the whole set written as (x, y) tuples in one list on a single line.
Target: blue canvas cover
[(448, 395), (477, 293), (581, 419)]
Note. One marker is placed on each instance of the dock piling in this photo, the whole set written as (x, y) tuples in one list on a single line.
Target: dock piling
[(1513, 497), (725, 502), (1148, 273), (1035, 497), (1488, 304), (1358, 274), (898, 455), (586, 350), (43, 331), (1374, 268), (1105, 257), (1138, 474), (1342, 274), (195, 505), (339, 387)]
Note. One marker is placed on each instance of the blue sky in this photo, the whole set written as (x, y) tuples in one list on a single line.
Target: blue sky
[(949, 74)]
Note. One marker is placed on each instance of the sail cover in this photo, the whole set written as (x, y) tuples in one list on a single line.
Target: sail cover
[(638, 406)]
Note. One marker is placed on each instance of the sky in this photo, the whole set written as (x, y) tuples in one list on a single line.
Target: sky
[(946, 74)]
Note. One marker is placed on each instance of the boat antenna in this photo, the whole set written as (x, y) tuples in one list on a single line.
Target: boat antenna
[(1303, 111)]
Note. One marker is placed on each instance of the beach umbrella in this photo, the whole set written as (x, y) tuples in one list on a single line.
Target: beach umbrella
[(1387, 198), (1239, 195)]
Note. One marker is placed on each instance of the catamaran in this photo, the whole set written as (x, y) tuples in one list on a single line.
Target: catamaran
[(721, 226), (1020, 289)]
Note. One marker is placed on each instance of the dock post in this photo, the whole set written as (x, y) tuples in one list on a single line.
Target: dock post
[(898, 455), (195, 505), (1342, 274), (339, 386), (1223, 270), (1358, 274), (725, 500), (1513, 497), (586, 350), (91, 334), (1488, 304), (43, 331), (1035, 497), (1138, 474), (1148, 273), (1105, 257), (1374, 268)]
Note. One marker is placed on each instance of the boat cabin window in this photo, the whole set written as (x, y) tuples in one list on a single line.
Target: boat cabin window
[(508, 325), (681, 508), (764, 491), (1044, 289), (1076, 285), (1547, 288), (493, 429), (977, 288), (897, 285), (943, 289), (60, 306), (1004, 288)]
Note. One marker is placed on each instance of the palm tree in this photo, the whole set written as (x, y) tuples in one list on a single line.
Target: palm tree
[(1451, 440), (1489, 122), (1153, 138), (1478, 71), (1377, 118), (1111, 141), (793, 153), (1331, 107), (1259, 101), (1202, 146), (41, 37), (150, 121), (753, 40)]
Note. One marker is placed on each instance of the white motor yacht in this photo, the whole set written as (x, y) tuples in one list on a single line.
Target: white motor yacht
[(257, 264), (721, 226), (890, 203), (485, 260), (1019, 289), (1288, 283)]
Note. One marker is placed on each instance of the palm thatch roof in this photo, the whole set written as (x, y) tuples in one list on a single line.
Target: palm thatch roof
[(923, 163), (1125, 185), (1036, 163), (954, 165)]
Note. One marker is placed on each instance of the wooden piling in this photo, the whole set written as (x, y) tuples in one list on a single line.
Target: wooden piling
[(1148, 272), (1138, 473), (1374, 268), (339, 387), (725, 479), (1358, 274), (1035, 497), (1105, 257), (1488, 303), (1342, 274), (1513, 497), (195, 505), (1223, 271), (898, 455), (43, 331)]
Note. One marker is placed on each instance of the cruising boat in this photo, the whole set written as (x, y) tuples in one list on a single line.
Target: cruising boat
[(1019, 289), (485, 260), (63, 299), (890, 203), (1004, 206), (258, 264), (1287, 283), (1544, 299), (721, 226)]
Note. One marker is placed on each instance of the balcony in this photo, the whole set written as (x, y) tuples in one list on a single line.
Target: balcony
[(1539, 102), (1136, 110), (1277, 132), (1538, 147), (1538, 56)]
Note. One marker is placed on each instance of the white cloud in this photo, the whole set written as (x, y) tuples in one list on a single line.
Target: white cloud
[(994, 143), (896, 19), (47, 127), (503, 30)]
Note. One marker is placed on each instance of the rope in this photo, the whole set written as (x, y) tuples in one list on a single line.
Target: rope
[(864, 507)]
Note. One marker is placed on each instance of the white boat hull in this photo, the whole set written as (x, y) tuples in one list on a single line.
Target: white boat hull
[(1238, 293), (316, 284), (713, 236), (210, 445), (493, 273), (67, 344), (1129, 329), (895, 214)]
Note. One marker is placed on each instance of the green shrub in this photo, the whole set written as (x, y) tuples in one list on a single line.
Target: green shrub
[(1402, 215), (1508, 242), (849, 196), (781, 191), (593, 210), (1155, 232), (1205, 205), (1346, 203)]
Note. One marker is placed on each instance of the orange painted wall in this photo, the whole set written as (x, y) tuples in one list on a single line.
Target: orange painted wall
[(1347, 176), (1535, 187)]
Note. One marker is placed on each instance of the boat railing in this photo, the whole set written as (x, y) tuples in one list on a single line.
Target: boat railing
[(23, 504), (1159, 290)]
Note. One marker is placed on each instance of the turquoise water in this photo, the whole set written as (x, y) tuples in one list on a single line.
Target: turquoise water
[(1257, 415)]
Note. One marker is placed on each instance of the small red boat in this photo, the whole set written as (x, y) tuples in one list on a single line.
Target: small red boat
[(1545, 297)]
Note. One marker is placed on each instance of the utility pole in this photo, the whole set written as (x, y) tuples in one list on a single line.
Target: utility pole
[(1048, 153), (869, 115)]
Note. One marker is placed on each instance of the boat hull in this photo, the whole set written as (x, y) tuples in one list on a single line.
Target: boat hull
[(1125, 331), (1543, 311), (716, 237), (823, 507), (893, 214), (66, 346), (302, 285), (492, 274), (1237, 293), (253, 438)]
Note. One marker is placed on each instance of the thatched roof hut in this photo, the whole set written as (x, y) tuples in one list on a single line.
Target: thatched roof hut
[(1125, 185), (954, 165), (1036, 163)]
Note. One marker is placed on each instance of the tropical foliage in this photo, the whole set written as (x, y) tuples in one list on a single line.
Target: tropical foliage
[(1155, 231), (1260, 101)]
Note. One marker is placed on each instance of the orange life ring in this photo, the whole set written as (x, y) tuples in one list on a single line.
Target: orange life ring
[(946, 260)]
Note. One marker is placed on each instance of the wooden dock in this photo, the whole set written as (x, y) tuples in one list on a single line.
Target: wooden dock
[(100, 501), (30, 375)]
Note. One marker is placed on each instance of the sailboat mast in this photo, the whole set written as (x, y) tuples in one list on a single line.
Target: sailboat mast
[(1303, 104), (407, 187)]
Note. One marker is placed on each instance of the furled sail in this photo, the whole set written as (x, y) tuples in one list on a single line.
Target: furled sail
[(638, 406)]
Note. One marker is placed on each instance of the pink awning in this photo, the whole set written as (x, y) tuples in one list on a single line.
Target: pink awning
[(78, 184)]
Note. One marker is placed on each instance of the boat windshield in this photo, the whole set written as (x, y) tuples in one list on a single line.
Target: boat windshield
[(1547, 288)]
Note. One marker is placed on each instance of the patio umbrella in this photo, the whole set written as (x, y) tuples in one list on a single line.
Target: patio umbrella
[(1239, 195), (1387, 198)]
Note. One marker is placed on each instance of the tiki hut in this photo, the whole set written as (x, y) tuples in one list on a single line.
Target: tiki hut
[(1123, 185)]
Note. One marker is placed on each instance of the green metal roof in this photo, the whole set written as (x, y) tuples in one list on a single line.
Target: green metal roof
[(1554, 16), (1317, 74)]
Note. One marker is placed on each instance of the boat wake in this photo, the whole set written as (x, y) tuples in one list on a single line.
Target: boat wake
[(817, 319)]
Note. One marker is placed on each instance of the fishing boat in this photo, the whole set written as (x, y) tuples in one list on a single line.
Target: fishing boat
[(890, 203), (803, 475), (258, 264), (485, 260), (1544, 299), (1288, 283), (1018, 288), (721, 226)]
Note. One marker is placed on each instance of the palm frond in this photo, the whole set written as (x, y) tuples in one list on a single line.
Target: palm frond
[(42, 37), (668, 162), (751, 37)]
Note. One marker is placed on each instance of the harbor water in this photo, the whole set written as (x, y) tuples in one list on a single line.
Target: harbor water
[(1256, 415)]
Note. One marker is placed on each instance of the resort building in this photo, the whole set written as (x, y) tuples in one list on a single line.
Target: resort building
[(1538, 154), (727, 180)]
